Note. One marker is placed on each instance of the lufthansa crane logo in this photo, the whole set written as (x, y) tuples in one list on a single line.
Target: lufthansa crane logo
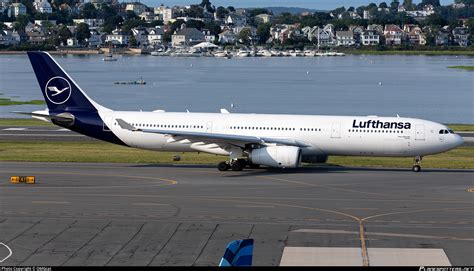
[(58, 90)]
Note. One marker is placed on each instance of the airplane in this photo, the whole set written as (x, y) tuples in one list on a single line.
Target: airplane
[(248, 140)]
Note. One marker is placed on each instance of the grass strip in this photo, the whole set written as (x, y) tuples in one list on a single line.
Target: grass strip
[(99, 152), (467, 68)]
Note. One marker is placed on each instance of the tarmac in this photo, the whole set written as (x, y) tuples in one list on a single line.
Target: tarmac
[(55, 133), (145, 214)]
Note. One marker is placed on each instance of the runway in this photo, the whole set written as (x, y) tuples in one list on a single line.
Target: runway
[(56, 133), (141, 214)]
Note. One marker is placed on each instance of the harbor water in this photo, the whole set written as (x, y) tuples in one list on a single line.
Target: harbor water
[(410, 86)]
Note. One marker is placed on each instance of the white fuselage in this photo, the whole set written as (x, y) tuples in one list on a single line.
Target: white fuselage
[(323, 135)]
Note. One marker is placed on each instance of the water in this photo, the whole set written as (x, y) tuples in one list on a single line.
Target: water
[(411, 86)]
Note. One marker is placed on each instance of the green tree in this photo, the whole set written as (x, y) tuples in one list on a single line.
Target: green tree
[(383, 5), (231, 8), (89, 11), (207, 5), (221, 12), (263, 33), (132, 41), (244, 36), (82, 32), (195, 24), (213, 27), (394, 5), (435, 3), (132, 23), (63, 34), (21, 21), (195, 11)]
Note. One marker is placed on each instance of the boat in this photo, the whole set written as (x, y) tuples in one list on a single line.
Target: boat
[(243, 53), (109, 56), (137, 82)]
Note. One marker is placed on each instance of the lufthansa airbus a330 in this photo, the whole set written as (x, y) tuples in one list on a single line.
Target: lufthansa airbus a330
[(252, 140)]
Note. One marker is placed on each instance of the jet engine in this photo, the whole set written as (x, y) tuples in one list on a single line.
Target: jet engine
[(315, 159), (276, 156)]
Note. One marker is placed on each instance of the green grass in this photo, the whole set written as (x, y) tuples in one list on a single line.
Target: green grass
[(467, 68), (461, 127), (23, 122), (99, 152), (7, 102)]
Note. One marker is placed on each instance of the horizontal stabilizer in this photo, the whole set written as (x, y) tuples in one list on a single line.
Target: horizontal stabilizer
[(61, 117), (238, 253)]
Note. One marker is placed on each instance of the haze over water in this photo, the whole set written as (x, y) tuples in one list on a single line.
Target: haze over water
[(411, 86)]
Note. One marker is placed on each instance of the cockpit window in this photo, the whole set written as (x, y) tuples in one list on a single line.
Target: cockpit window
[(451, 131), (441, 132), (445, 132)]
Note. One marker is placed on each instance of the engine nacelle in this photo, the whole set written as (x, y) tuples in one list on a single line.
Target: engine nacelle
[(314, 159), (276, 156)]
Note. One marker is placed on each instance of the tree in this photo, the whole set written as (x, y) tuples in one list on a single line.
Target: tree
[(263, 33), (195, 24), (21, 21), (213, 27), (132, 41), (82, 32), (221, 12), (231, 8), (63, 34), (244, 36), (435, 3), (207, 5), (89, 11), (435, 19), (383, 5), (195, 11), (408, 4), (394, 5), (132, 23)]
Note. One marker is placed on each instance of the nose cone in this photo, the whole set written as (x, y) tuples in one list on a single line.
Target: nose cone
[(458, 140)]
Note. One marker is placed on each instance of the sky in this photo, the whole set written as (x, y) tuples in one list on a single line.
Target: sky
[(313, 4)]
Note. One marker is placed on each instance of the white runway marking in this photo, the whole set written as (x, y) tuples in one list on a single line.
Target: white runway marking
[(9, 253), (14, 129)]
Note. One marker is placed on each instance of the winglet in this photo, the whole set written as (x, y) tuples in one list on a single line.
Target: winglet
[(238, 253), (125, 125)]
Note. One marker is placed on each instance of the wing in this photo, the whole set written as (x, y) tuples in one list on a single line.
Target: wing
[(232, 139)]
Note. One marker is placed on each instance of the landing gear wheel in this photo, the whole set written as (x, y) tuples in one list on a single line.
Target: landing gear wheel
[(417, 162), (237, 165), (223, 166), (253, 166)]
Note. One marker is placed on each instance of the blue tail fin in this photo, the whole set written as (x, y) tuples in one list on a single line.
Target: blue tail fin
[(60, 92), (238, 253)]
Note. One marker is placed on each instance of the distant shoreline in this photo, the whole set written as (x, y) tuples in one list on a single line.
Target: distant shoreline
[(351, 52)]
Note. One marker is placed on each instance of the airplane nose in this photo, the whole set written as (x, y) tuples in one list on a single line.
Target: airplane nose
[(459, 140)]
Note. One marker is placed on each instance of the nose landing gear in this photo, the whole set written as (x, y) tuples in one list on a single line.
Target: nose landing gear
[(417, 164)]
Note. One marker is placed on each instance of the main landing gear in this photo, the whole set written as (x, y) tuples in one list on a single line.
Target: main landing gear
[(235, 165), (417, 164)]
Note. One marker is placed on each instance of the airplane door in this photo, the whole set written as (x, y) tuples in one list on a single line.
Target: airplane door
[(209, 127), (108, 122), (336, 130), (420, 132)]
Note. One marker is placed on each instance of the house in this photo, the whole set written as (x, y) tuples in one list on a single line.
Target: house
[(376, 27), (7, 38), (136, 7), (442, 38), (19, 36), (4, 5), (393, 34), (227, 36), (370, 37), (36, 36), (117, 38), (345, 38), (148, 16), (311, 33), (155, 35), (357, 30), (325, 37), (367, 15), (92, 23), (235, 20), (17, 9), (263, 18), (141, 35), (461, 36), (45, 22), (187, 36), (96, 39), (416, 36), (208, 36), (42, 6), (166, 14)]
